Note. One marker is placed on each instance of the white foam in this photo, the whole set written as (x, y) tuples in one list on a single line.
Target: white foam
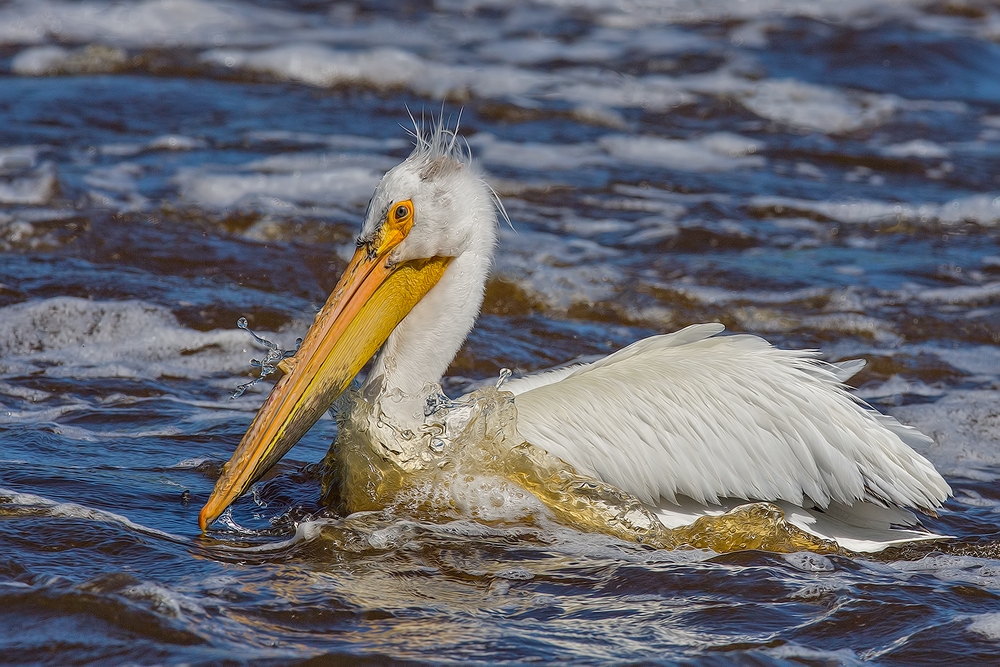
[(166, 142), (797, 103), (383, 68), (593, 91), (717, 295), (16, 233), (966, 294), (566, 220), (319, 162), (557, 270), (213, 188), (813, 107), (537, 50), (392, 536), (35, 228), (980, 209), (600, 89), (795, 653), (965, 426), (18, 157), (979, 572), (39, 60), (306, 531), (334, 141), (647, 198), (176, 142), (766, 320), (187, 464), (987, 625), (917, 148), (117, 186), (32, 395), (898, 386), (809, 562), (42, 415), (90, 435), (165, 600), (71, 337), (791, 102), (982, 361), (89, 59), (600, 45), (639, 14), (33, 188), (77, 511), (332, 50), (169, 23), (761, 310), (493, 499), (537, 156), (720, 151), (646, 28)]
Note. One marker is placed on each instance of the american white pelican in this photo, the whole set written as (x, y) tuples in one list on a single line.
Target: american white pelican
[(659, 435)]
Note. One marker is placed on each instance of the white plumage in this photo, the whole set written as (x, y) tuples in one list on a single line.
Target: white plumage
[(691, 423), (709, 417), (687, 416), (692, 416)]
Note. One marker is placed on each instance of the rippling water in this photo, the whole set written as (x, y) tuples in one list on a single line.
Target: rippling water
[(824, 174)]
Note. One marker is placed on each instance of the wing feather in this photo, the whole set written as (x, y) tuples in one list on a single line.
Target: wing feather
[(711, 417)]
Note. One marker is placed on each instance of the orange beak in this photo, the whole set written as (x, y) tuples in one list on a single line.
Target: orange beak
[(371, 298)]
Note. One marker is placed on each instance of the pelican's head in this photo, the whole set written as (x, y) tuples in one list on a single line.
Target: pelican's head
[(416, 280), (433, 204)]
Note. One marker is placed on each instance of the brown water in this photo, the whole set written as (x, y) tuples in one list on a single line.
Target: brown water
[(822, 176)]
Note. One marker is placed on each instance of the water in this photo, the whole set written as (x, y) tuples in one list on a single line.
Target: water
[(824, 174)]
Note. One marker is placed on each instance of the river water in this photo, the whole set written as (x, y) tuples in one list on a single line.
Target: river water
[(826, 175)]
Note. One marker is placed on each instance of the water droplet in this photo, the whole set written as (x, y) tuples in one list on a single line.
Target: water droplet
[(269, 363), (436, 402)]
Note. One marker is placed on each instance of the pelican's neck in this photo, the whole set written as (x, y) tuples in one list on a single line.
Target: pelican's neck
[(422, 346)]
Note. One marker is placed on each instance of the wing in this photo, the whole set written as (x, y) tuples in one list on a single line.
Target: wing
[(711, 417)]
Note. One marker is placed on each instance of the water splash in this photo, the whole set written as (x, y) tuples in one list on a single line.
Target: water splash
[(269, 364), (436, 402), (505, 374), (467, 460)]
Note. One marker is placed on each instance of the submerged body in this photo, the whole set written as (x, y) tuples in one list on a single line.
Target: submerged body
[(648, 444)]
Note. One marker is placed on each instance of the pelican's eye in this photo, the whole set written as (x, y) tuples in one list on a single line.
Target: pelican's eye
[(398, 222), (400, 215)]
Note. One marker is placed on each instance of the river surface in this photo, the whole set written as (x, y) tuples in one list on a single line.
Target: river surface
[(824, 174)]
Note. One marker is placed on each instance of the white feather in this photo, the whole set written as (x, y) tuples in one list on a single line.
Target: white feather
[(685, 420), (712, 417)]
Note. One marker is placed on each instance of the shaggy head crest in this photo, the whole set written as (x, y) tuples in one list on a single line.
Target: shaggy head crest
[(434, 139), (453, 208)]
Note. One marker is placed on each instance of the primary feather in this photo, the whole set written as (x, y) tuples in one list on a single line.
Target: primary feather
[(712, 417)]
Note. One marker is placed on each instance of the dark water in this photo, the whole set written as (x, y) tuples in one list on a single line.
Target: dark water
[(822, 176)]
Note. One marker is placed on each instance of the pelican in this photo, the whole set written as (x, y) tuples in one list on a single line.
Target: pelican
[(686, 438)]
